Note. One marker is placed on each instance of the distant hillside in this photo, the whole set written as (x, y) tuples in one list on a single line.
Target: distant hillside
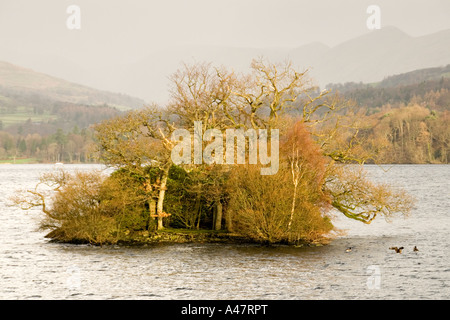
[(402, 79), (43, 118), (416, 76), (429, 87), (16, 80), (36, 103)]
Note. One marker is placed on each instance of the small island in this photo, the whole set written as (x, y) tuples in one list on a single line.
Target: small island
[(293, 158)]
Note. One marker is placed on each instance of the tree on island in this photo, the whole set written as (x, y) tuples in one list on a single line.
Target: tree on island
[(320, 169)]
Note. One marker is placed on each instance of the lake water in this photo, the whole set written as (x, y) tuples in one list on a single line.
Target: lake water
[(33, 268)]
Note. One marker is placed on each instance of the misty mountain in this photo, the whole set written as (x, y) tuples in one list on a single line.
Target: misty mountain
[(368, 58), (382, 53)]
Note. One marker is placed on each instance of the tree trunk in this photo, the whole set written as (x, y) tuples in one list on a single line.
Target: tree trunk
[(198, 211), (152, 209), (293, 205), (162, 192), (228, 221), (218, 216), (151, 201)]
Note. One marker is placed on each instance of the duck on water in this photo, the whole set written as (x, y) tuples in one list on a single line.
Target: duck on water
[(399, 250)]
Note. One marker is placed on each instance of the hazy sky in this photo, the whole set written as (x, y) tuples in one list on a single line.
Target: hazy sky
[(124, 30)]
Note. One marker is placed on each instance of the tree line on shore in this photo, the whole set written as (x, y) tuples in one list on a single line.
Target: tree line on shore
[(408, 122), (322, 146), (65, 137)]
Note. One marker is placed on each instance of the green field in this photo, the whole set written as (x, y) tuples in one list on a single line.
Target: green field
[(22, 115), (19, 161)]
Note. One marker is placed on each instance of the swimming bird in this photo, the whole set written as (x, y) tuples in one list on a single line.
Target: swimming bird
[(398, 250), (349, 249), (415, 248)]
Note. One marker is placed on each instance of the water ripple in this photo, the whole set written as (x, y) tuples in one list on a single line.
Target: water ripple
[(33, 268)]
